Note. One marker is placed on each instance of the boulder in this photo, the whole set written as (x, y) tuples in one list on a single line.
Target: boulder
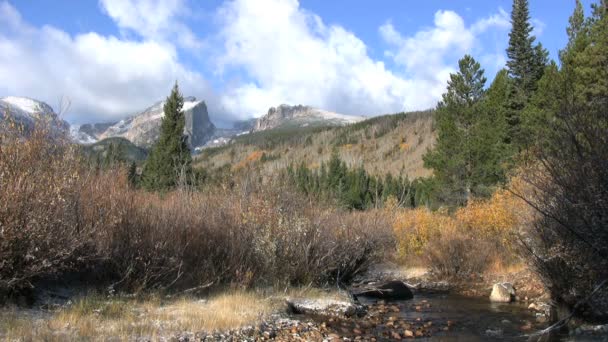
[(325, 307), (502, 293), (395, 289)]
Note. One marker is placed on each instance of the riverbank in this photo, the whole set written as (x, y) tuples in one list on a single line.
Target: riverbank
[(439, 309)]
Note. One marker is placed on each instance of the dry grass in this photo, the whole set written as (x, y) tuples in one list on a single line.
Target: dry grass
[(396, 149), (96, 318), (100, 319)]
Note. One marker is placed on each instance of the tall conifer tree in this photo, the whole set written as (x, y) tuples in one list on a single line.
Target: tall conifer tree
[(453, 158), (170, 160), (526, 64)]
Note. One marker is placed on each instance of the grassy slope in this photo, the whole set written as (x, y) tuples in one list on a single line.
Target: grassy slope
[(389, 143)]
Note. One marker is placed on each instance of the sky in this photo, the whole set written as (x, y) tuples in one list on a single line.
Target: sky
[(113, 58)]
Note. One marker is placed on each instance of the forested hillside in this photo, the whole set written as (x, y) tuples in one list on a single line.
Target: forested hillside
[(387, 144)]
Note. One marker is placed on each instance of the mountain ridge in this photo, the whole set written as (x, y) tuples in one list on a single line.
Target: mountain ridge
[(29, 113), (302, 116)]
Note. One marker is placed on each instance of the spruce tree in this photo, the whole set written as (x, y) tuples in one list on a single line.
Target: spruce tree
[(170, 161), (526, 63)]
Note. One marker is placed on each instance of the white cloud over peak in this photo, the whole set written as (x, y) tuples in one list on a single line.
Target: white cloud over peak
[(290, 55), (104, 77), (269, 51)]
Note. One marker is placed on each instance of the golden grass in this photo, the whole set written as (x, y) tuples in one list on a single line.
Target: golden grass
[(95, 318), (400, 150)]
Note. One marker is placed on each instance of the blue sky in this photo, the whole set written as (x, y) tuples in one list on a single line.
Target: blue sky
[(111, 58)]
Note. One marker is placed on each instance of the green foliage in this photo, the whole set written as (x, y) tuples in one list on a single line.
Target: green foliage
[(469, 153), (290, 136), (269, 157), (526, 64), (542, 107), (570, 239), (169, 163), (112, 151), (351, 188), (132, 176)]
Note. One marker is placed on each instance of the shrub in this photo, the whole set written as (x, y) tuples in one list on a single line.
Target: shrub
[(41, 229), (58, 216), (445, 241)]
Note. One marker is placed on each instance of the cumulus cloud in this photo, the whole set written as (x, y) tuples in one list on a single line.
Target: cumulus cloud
[(428, 56), (105, 77), (292, 56), (498, 20), (269, 51), (152, 19)]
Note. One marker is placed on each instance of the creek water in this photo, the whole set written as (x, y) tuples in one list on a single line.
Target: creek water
[(440, 317)]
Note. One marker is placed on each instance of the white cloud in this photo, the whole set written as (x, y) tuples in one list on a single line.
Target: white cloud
[(152, 19), (498, 20), (105, 77), (538, 27), (271, 51), (291, 56), (429, 55)]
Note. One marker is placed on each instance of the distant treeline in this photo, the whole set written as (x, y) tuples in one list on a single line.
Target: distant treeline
[(354, 188)]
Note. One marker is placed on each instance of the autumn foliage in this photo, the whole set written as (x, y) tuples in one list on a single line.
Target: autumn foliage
[(467, 241), (59, 217)]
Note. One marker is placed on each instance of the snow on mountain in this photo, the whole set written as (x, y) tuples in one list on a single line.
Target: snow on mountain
[(302, 116), (29, 112), (81, 137), (143, 129)]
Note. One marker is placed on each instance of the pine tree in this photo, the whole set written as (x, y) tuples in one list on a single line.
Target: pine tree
[(543, 105), (576, 24), (169, 163), (132, 174), (526, 63), (453, 159), (591, 64)]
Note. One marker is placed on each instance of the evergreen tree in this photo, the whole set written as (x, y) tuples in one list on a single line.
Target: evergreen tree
[(543, 105), (170, 161), (453, 159), (576, 26), (572, 192), (590, 72), (132, 174), (526, 63)]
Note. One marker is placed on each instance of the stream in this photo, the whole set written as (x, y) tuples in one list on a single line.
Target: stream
[(438, 317)]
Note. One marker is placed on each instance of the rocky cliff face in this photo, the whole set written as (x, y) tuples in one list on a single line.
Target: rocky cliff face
[(302, 116), (28, 113), (144, 129)]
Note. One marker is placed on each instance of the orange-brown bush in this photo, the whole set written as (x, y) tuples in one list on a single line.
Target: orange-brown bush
[(41, 231), (58, 216), (468, 241)]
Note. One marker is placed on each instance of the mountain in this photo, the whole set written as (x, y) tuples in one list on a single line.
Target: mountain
[(28, 113), (143, 129), (302, 116), (130, 152), (384, 144)]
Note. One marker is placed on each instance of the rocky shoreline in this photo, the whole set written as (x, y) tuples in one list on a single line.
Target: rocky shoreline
[(382, 320)]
